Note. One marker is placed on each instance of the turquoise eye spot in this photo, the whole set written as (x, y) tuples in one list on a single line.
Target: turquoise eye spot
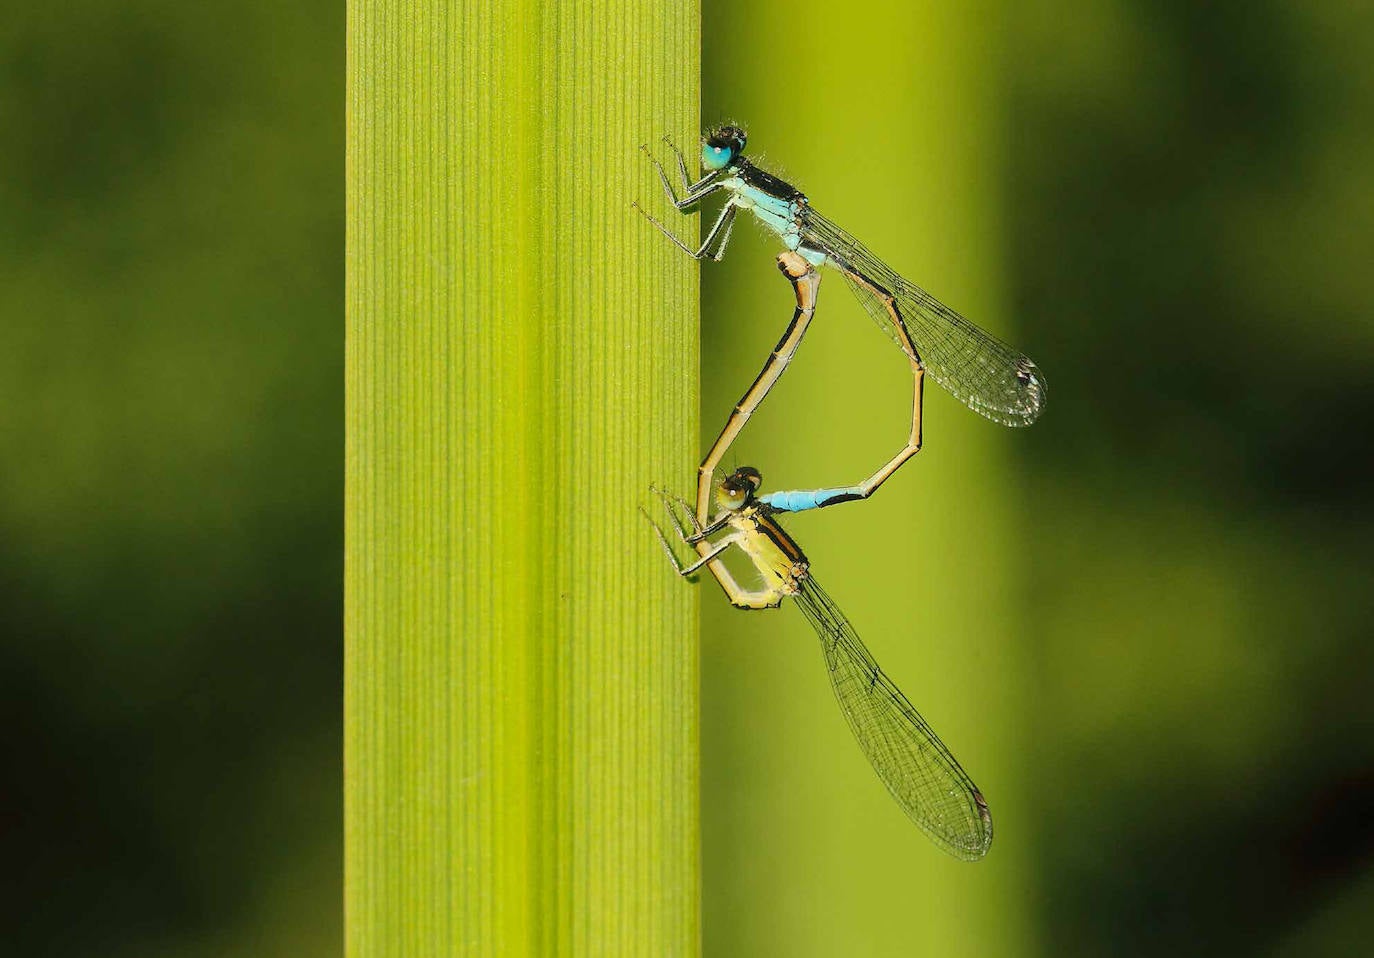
[(714, 157)]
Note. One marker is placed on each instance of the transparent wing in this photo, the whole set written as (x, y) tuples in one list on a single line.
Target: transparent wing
[(912, 762), (984, 373)]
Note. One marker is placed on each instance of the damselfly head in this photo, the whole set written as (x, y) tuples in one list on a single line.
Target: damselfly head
[(737, 489), (722, 148)]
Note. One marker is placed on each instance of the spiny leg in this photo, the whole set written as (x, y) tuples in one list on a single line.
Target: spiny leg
[(805, 284), (670, 500), (725, 239), (710, 553), (693, 193), (663, 177), (686, 519), (681, 164), (714, 552), (723, 221)]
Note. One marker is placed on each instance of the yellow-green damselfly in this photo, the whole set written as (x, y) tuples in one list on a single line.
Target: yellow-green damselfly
[(918, 770)]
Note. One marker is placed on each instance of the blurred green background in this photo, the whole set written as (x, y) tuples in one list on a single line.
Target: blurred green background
[(171, 377), (1143, 624)]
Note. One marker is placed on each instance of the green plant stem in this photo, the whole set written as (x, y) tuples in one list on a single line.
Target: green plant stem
[(521, 714)]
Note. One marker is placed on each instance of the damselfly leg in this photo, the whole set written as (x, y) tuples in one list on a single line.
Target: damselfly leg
[(710, 552)]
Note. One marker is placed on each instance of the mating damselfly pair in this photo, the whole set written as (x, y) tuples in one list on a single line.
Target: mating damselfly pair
[(984, 373)]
